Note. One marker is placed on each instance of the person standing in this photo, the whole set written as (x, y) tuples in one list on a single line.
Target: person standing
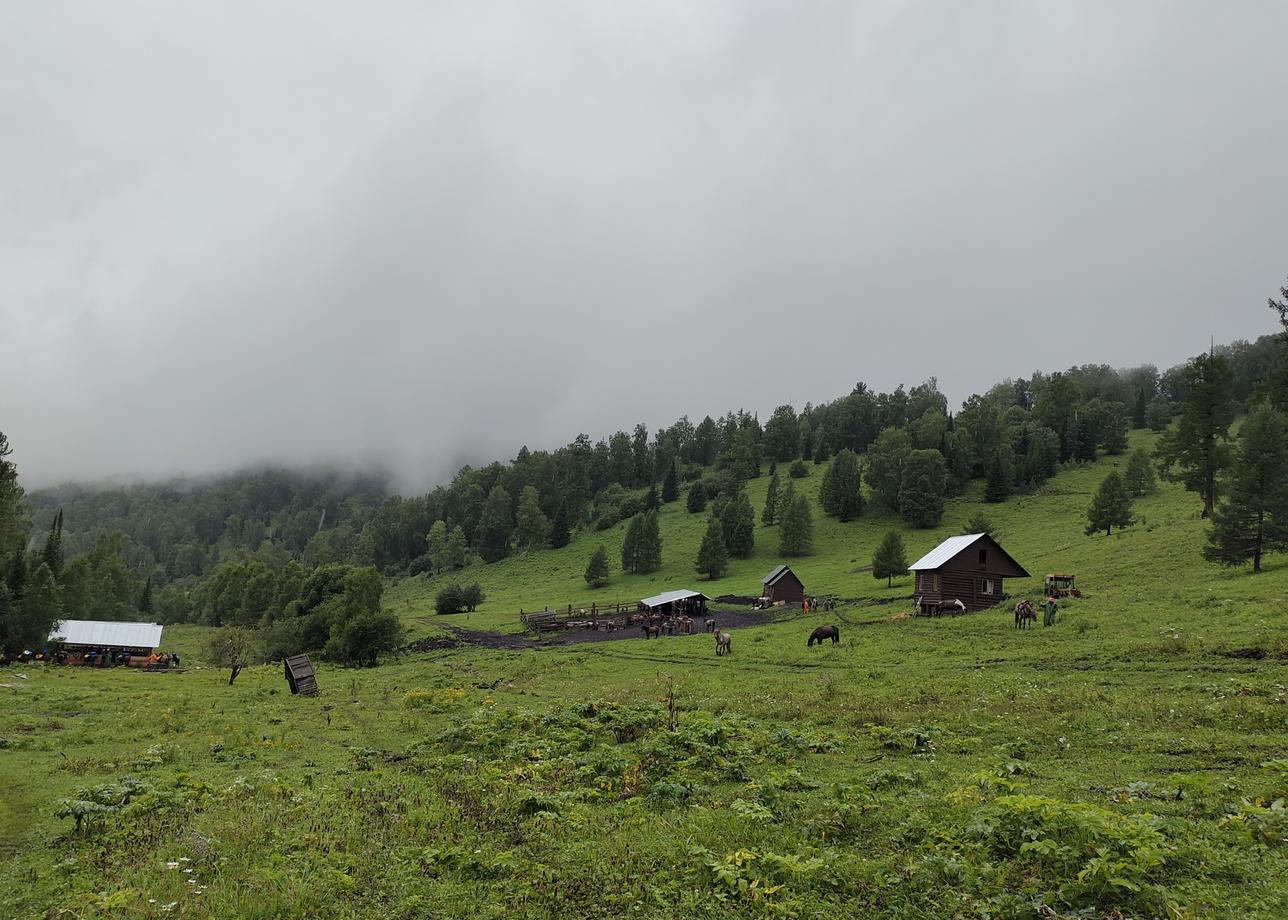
[(1049, 618)]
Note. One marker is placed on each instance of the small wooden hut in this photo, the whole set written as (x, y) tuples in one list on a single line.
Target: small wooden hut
[(782, 585), (968, 568)]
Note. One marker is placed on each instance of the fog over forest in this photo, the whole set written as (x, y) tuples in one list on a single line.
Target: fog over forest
[(424, 234)]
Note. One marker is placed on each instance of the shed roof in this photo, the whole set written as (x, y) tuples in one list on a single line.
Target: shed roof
[(777, 573), (101, 632), (948, 550), (667, 597)]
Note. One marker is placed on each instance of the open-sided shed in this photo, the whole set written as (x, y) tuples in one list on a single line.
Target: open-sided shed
[(135, 638), (968, 568), (782, 585), (681, 602)]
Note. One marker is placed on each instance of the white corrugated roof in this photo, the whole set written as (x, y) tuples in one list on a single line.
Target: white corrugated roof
[(102, 632), (944, 551), (667, 597)]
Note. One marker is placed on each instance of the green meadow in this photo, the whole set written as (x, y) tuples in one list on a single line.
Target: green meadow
[(1132, 761)]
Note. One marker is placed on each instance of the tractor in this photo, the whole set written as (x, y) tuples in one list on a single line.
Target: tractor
[(1061, 586)]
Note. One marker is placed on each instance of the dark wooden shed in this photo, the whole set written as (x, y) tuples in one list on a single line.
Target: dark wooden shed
[(782, 585), (969, 568)]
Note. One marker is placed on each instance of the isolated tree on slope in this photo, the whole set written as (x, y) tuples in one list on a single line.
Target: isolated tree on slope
[(796, 533), (232, 647), (1110, 507), (696, 502), (597, 568), (889, 560), (770, 515), (713, 556), (1195, 452), (1253, 519)]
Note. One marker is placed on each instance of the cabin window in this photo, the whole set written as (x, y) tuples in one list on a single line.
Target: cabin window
[(983, 558), (986, 586)]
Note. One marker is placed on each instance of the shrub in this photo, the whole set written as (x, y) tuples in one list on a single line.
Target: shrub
[(798, 470)]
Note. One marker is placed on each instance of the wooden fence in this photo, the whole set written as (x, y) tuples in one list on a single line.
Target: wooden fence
[(596, 616)]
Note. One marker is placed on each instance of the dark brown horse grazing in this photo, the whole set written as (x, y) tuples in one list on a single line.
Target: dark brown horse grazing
[(1024, 614), (651, 630), (824, 632)]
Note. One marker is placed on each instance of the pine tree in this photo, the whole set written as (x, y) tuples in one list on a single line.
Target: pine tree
[(560, 532), (531, 526), (925, 482), (1110, 507), (1195, 452), (1139, 476), (670, 485), (889, 560), (495, 525), (739, 523), (631, 544), (796, 534), (1084, 436), (697, 500), (145, 598), (597, 568), (1253, 519), (979, 523), (770, 514), (651, 502), (840, 492), (1114, 436), (53, 554), (999, 479), (713, 556), (649, 557)]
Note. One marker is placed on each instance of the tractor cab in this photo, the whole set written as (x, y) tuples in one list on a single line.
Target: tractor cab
[(1061, 586)]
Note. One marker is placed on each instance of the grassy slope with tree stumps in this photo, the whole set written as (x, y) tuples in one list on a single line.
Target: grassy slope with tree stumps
[(1127, 760)]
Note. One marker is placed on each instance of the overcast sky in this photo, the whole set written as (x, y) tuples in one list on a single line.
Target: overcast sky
[(420, 233)]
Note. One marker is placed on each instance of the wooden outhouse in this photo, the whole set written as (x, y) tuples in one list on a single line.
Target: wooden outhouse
[(968, 568)]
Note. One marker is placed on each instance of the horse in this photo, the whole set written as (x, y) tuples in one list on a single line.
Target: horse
[(1024, 614), (724, 643), (651, 630), (945, 606), (824, 632), (709, 625)]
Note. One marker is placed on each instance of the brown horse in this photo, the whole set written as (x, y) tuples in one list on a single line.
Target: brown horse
[(724, 643), (651, 630), (822, 633), (1025, 614)]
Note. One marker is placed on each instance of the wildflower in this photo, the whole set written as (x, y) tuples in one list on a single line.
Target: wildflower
[(172, 865)]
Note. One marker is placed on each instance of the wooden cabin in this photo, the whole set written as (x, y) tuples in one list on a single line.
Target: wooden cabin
[(969, 568), (782, 585)]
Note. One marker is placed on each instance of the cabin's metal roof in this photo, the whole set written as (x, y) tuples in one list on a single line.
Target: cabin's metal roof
[(667, 597), (102, 632), (945, 551), (774, 575)]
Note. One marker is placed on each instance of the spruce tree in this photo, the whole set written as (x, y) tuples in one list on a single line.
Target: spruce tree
[(770, 515), (670, 485), (649, 555), (889, 560), (921, 493), (145, 598), (1084, 436), (1114, 436), (1253, 518), (495, 525), (597, 568), (739, 523), (631, 544), (1110, 507), (531, 526), (1139, 476), (53, 554), (796, 533), (979, 523), (1195, 452), (998, 476), (560, 532), (713, 556), (697, 500), (840, 492)]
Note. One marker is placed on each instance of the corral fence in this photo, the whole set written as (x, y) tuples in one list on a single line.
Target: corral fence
[(596, 616)]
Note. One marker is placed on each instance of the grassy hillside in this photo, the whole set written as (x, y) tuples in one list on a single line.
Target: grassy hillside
[(1125, 763)]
